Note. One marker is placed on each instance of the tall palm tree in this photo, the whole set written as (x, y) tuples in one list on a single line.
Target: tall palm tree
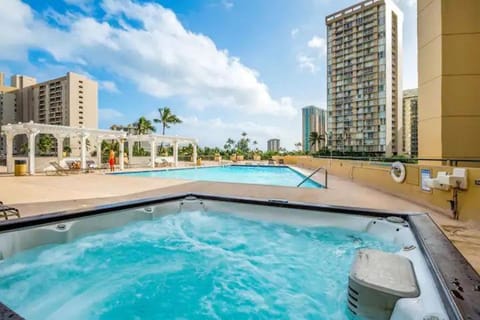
[(166, 118), (143, 126)]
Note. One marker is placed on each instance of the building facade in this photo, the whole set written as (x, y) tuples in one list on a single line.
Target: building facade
[(313, 120), (71, 100), (449, 80), (273, 145), (410, 122), (364, 78)]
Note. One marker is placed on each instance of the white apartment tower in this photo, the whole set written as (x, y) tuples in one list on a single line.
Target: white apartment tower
[(364, 78)]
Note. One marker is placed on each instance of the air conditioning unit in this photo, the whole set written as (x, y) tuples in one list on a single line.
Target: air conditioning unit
[(377, 280)]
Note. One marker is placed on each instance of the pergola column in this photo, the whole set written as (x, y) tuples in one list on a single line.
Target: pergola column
[(31, 151), (194, 154), (175, 153), (153, 152), (130, 149), (9, 147), (99, 152), (83, 150), (59, 138), (121, 151)]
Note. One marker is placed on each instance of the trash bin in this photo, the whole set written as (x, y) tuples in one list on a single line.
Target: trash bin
[(20, 167)]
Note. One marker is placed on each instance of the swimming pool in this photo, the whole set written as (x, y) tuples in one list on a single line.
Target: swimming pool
[(209, 257), (268, 175)]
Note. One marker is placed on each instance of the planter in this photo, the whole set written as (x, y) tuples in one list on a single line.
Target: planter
[(218, 158), (233, 157), (257, 158), (239, 158)]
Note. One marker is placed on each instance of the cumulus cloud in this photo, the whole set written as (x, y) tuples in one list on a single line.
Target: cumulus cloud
[(312, 57), (317, 42), (306, 62), (109, 86), (255, 131), (156, 52)]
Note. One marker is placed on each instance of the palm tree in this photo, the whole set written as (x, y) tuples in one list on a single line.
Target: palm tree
[(143, 126), (298, 145), (166, 118), (313, 138), (229, 144), (255, 144)]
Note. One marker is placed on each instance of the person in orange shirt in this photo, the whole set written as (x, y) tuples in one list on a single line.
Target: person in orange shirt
[(111, 160)]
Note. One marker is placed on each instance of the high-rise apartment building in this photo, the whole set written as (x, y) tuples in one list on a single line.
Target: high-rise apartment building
[(273, 145), (449, 80), (313, 120), (70, 100), (410, 122), (364, 80)]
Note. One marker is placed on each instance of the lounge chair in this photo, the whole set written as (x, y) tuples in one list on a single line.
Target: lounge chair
[(58, 169), (8, 211)]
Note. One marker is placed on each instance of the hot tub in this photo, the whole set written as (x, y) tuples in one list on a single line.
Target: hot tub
[(200, 256)]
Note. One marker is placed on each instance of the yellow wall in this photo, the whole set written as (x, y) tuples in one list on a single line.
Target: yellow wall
[(449, 78), (377, 175)]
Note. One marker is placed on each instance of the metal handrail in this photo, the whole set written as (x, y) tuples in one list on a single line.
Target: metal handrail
[(315, 171)]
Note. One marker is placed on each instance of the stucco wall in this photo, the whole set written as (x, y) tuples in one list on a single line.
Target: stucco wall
[(377, 175)]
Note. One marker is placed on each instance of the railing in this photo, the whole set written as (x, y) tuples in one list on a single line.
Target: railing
[(451, 161), (315, 171)]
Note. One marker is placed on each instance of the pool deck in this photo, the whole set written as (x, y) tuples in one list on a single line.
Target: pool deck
[(35, 195)]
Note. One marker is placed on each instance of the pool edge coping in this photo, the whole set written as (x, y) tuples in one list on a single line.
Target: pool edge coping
[(294, 169)]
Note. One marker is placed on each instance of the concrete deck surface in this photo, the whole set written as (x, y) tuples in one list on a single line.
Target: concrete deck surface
[(35, 195)]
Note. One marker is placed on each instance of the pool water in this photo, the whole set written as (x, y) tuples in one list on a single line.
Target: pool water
[(190, 265), (278, 176)]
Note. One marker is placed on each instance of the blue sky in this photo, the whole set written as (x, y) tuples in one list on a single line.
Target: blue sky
[(223, 66)]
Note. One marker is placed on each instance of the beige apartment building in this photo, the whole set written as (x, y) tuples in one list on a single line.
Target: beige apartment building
[(71, 100), (364, 78), (410, 122), (449, 79), (314, 119)]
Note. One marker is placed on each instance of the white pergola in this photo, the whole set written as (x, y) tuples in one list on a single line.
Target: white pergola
[(31, 130)]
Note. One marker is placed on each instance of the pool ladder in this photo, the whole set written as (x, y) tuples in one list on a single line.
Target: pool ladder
[(315, 171)]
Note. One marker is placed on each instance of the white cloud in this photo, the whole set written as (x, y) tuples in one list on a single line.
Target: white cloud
[(85, 5), (260, 133), (162, 58), (109, 114), (313, 56), (294, 32), (317, 42), (109, 86), (306, 62), (228, 4)]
